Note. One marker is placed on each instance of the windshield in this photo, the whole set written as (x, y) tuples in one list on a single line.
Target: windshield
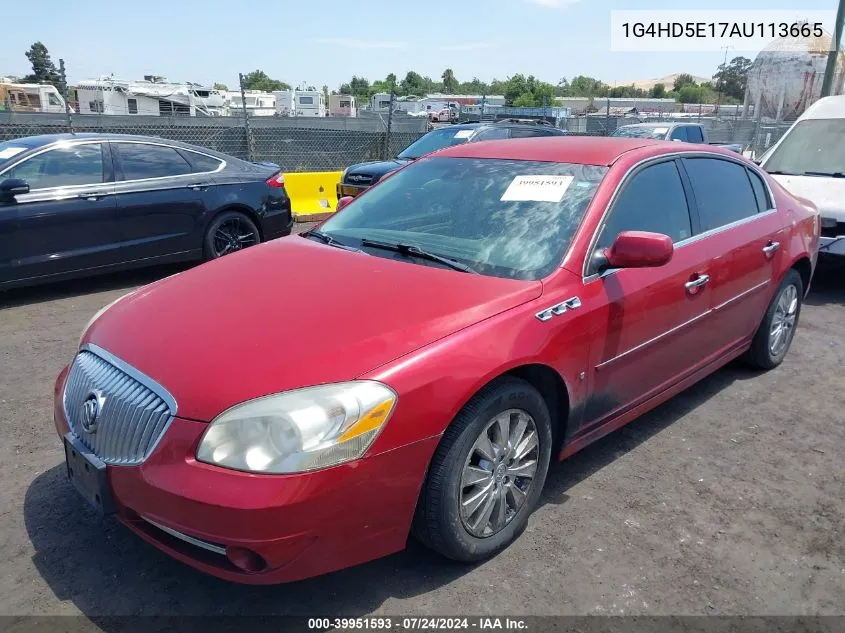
[(503, 218), (814, 145), (433, 141), (641, 132)]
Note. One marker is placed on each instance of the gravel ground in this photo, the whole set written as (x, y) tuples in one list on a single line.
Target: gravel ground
[(729, 499)]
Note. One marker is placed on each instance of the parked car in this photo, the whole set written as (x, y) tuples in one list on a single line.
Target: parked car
[(683, 132), (359, 177), (485, 310), (80, 204), (809, 160)]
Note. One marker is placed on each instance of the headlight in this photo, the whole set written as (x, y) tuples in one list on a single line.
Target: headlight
[(99, 313), (299, 430)]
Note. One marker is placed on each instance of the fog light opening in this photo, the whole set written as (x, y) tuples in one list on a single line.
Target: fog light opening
[(245, 559)]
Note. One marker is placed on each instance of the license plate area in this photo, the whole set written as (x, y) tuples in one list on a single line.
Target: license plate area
[(87, 473)]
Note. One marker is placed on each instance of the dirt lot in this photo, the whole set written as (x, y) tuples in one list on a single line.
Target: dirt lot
[(730, 499)]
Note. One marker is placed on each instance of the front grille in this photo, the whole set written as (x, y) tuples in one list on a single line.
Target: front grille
[(134, 411)]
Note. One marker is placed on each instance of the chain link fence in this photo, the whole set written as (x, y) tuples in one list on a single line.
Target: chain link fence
[(293, 143)]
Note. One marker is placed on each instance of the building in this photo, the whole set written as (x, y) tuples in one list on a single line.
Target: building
[(380, 102), (18, 97), (342, 105), (787, 76), (154, 96)]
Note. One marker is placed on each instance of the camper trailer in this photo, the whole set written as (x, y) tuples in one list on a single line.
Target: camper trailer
[(16, 97), (342, 105), (310, 103)]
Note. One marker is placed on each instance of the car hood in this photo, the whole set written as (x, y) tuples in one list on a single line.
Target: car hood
[(373, 170), (287, 314), (828, 194)]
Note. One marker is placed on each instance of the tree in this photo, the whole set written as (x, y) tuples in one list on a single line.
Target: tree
[(258, 80), (682, 80), (326, 94), (43, 69), (693, 94), (450, 84), (658, 91), (412, 84), (582, 86), (525, 100), (732, 78), (219, 86)]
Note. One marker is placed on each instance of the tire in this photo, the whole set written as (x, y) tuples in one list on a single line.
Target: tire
[(439, 522), (240, 230), (785, 309)]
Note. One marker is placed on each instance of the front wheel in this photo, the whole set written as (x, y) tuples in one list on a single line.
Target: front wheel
[(229, 232), (775, 334), (487, 473)]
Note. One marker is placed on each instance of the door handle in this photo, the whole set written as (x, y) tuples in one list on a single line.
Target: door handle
[(93, 195), (198, 186), (693, 285), (770, 248)]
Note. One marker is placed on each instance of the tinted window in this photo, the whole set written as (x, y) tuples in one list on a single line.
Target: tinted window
[(150, 161), (694, 134), (493, 134), (504, 218), (653, 200), (763, 201), (438, 139), (633, 131), (680, 134), (201, 162), (62, 167), (527, 132), (722, 191)]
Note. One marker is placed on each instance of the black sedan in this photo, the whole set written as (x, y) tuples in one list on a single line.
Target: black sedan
[(358, 178), (80, 204)]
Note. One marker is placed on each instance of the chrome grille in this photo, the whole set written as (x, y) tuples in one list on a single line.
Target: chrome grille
[(135, 411)]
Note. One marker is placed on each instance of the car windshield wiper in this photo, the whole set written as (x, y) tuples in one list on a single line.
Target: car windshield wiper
[(834, 174), (781, 173), (328, 239), (409, 250)]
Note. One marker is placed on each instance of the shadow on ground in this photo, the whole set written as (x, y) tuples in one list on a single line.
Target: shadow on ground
[(105, 570)]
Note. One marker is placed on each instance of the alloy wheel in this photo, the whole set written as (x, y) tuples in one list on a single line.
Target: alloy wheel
[(783, 321), (499, 472), (232, 235)]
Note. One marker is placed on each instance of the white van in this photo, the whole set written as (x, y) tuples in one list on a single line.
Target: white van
[(809, 160)]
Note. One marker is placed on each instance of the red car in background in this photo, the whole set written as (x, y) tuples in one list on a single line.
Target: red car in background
[(482, 311)]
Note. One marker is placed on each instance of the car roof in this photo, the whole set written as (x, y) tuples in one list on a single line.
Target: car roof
[(656, 124), (585, 150), (826, 108), (34, 142)]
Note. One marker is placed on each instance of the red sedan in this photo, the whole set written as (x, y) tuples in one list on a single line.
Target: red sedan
[(413, 365)]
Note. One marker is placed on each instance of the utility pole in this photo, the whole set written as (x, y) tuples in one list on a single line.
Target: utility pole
[(722, 78), (247, 130), (833, 56)]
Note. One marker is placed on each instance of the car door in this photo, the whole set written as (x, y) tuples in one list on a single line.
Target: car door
[(744, 232), (67, 220), (160, 200), (649, 325)]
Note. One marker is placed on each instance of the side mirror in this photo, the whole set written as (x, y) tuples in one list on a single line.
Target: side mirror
[(345, 200), (638, 249), (12, 187)]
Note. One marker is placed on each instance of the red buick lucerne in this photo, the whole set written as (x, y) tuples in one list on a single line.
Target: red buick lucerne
[(413, 364)]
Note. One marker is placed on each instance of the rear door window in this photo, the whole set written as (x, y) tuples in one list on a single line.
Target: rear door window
[(653, 200), (694, 134), (493, 134), (202, 163), (722, 190), (528, 132), (760, 192), (141, 161)]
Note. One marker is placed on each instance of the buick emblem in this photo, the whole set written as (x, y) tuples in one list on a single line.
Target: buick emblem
[(91, 407)]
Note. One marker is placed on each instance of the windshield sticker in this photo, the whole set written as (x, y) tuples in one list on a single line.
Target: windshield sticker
[(464, 133), (537, 189), (11, 151), (661, 130)]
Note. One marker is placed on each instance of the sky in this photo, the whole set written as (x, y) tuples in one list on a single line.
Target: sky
[(327, 41)]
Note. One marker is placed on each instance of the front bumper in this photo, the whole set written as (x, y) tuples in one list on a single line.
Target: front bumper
[(297, 525), (345, 189)]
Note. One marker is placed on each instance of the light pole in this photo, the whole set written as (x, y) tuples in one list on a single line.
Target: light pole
[(833, 56), (722, 78)]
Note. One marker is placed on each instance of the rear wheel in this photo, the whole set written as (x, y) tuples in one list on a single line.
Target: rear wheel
[(775, 334), (230, 232), (487, 474)]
